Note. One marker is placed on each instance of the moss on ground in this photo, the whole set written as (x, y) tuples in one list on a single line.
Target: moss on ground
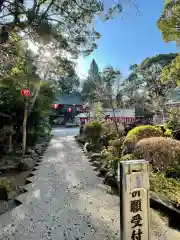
[(166, 188)]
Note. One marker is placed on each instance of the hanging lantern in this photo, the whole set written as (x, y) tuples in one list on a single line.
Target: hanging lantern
[(55, 105), (25, 92), (68, 110)]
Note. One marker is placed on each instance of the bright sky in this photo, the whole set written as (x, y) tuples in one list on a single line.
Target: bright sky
[(129, 39)]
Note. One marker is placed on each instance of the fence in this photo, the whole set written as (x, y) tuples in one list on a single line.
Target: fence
[(123, 120)]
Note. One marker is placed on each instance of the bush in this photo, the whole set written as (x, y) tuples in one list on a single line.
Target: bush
[(92, 132), (116, 142), (117, 145), (128, 157), (173, 171), (168, 189), (104, 140), (139, 133), (110, 128), (113, 165), (8, 183), (160, 150)]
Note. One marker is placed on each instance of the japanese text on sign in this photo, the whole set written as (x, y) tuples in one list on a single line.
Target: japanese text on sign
[(136, 220)]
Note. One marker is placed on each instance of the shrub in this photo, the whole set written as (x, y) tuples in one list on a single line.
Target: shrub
[(108, 155), (117, 145), (92, 132), (116, 142), (106, 138), (162, 151), (110, 128), (139, 133), (128, 157), (113, 164), (173, 171), (8, 183), (168, 189)]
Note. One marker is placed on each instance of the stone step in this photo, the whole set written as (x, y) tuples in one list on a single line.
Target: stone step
[(32, 179), (21, 198)]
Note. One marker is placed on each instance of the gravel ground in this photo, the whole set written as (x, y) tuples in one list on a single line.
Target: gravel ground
[(66, 201)]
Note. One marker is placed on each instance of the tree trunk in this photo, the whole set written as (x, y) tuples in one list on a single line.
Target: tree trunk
[(114, 115), (25, 127), (34, 99)]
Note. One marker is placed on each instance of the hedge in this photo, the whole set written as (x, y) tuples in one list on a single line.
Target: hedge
[(110, 128), (162, 151), (139, 133), (92, 131)]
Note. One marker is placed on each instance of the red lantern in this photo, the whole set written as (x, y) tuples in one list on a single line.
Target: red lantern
[(25, 92), (55, 105), (69, 110)]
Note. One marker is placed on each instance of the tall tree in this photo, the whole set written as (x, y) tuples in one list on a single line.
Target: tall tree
[(169, 25), (169, 21), (68, 84), (67, 22), (93, 79), (144, 82)]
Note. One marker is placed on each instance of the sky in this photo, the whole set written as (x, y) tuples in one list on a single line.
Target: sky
[(128, 39)]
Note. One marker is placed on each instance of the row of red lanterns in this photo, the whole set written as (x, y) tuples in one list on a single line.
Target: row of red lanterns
[(26, 93)]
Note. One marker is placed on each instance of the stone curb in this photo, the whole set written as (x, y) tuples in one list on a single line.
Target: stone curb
[(30, 179)]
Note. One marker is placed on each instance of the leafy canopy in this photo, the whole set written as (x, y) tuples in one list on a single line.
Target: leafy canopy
[(68, 23), (169, 25)]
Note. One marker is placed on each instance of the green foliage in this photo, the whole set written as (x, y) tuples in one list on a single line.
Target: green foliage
[(92, 132), (169, 21), (102, 86), (68, 23), (144, 88), (138, 133), (166, 188), (168, 24), (8, 183), (113, 164), (172, 71), (174, 122), (128, 157), (66, 85), (109, 128), (161, 59), (97, 111), (24, 75), (173, 171), (116, 142), (90, 84), (168, 132)]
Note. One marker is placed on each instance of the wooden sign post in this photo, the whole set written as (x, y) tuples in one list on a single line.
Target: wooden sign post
[(134, 200)]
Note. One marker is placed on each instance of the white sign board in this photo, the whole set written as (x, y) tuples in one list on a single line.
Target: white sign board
[(134, 200)]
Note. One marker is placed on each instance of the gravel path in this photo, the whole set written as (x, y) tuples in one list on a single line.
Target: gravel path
[(66, 201)]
